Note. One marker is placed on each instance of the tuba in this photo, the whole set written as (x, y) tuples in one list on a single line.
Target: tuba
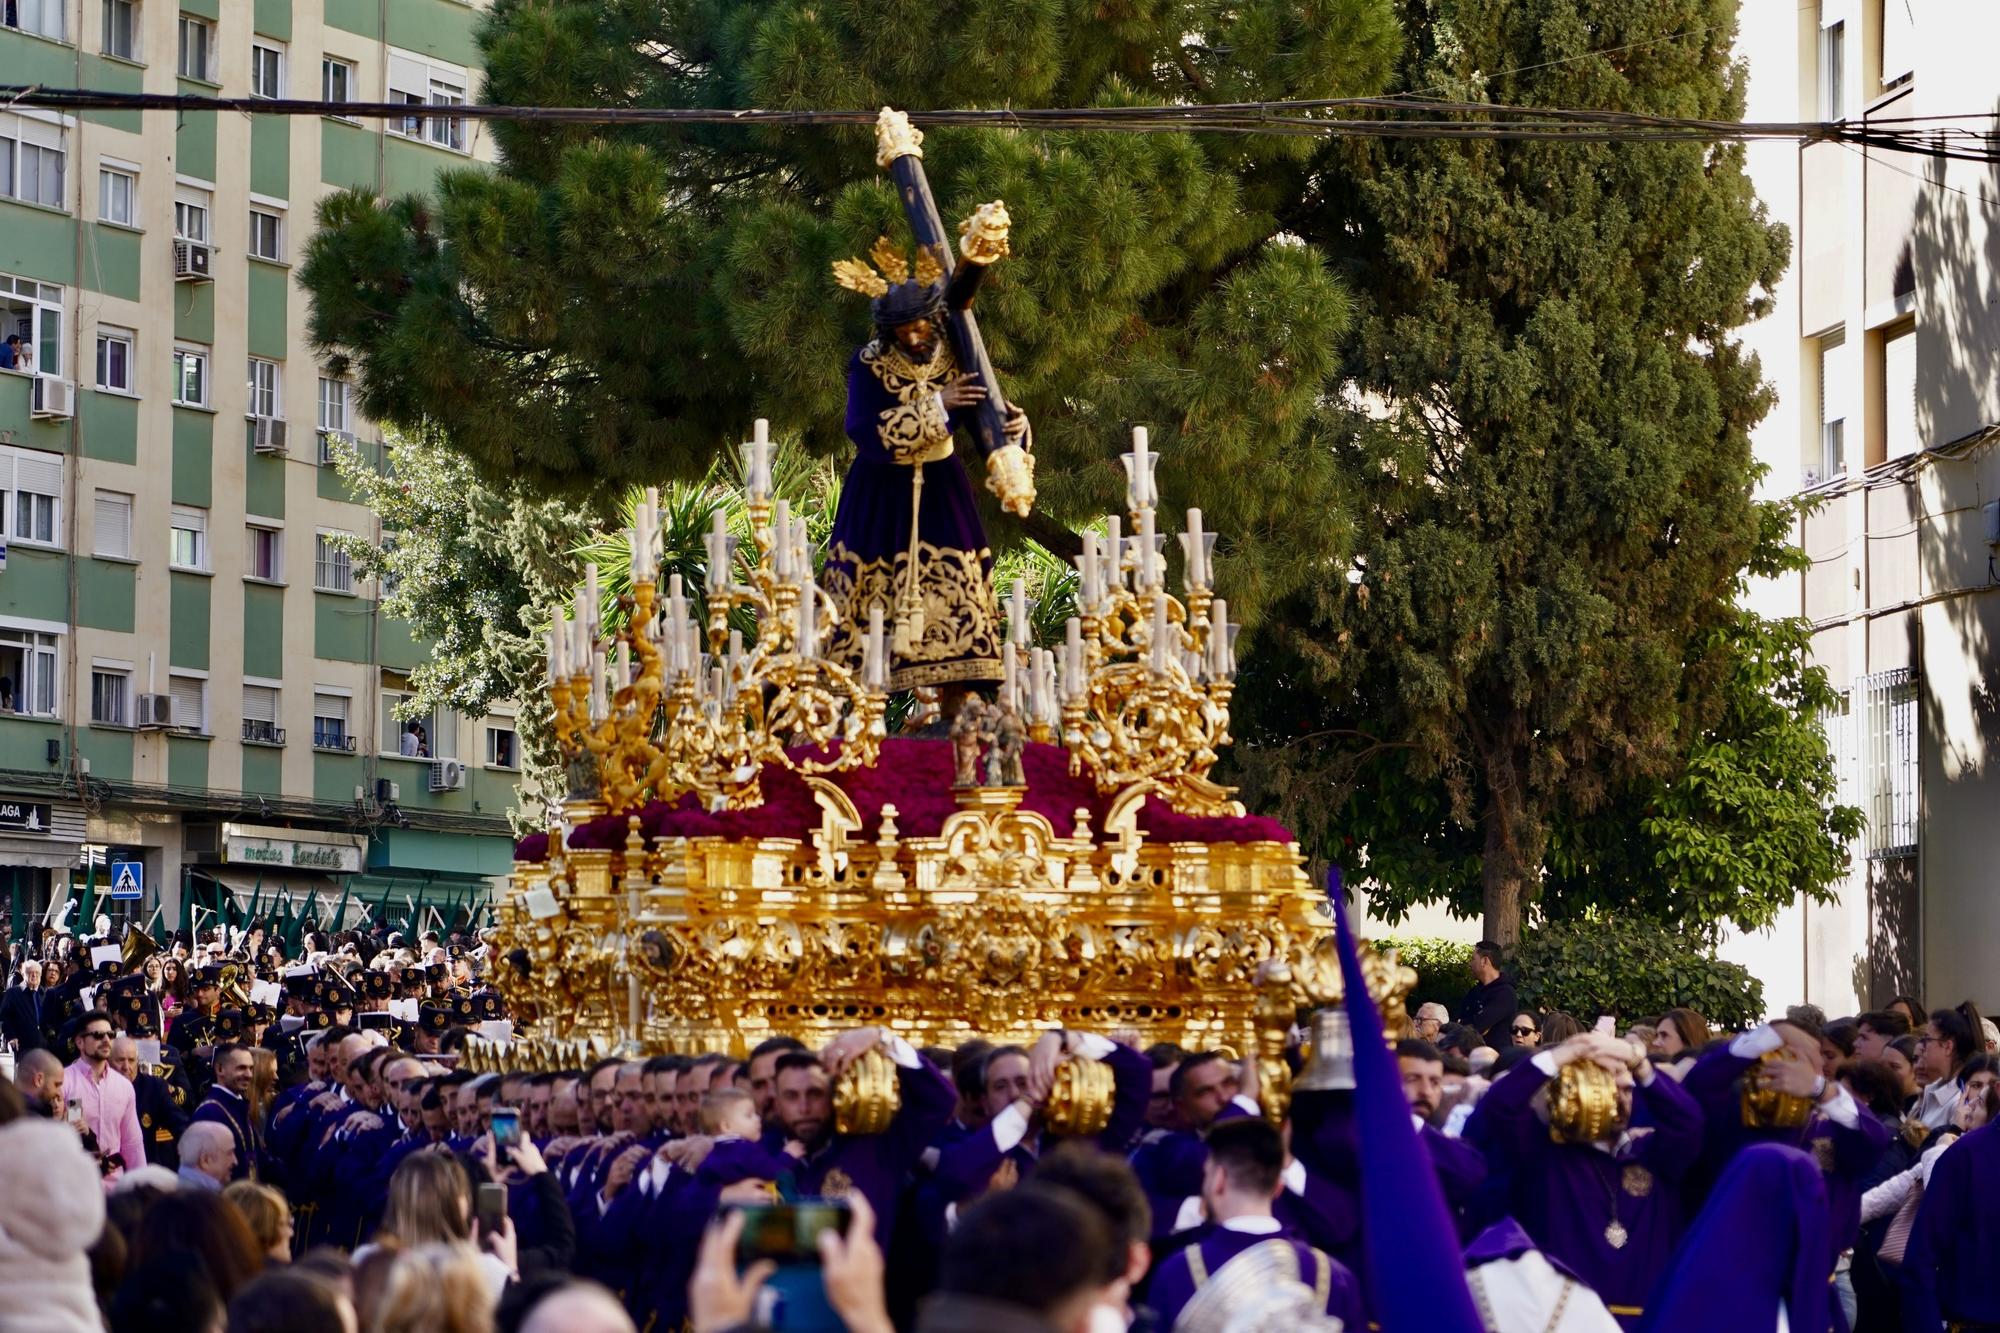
[(138, 947)]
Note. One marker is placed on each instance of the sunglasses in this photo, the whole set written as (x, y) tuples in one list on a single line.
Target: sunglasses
[(1526, 1032), (95, 1034)]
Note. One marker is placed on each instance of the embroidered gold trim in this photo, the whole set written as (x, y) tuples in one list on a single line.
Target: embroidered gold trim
[(961, 640)]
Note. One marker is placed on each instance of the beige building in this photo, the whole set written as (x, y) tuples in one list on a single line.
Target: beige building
[(193, 681), (1885, 351)]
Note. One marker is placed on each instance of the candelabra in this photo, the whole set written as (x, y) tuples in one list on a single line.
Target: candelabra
[(665, 706), (1145, 677)]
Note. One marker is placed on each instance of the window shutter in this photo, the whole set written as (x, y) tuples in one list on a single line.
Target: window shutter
[(1899, 394), (114, 524), (260, 704), (39, 473), (333, 707), (187, 696)]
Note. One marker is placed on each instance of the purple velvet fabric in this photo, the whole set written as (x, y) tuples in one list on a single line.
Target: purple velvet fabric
[(915, 777)]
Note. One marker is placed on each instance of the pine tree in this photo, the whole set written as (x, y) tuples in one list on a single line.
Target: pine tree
[(615, 304), (1554, 500)]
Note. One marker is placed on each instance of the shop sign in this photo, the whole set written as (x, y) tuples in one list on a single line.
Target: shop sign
[(282, 853), (25, 816)]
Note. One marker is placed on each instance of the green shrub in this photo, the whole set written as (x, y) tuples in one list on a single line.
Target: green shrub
[(1444, 968), (1632, 970)]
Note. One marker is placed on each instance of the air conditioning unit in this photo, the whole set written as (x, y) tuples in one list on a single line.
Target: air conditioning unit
[(328, 439), (447, 775), (193, 262), (54, 399), (387, 792), (156, 712), (268, 434)]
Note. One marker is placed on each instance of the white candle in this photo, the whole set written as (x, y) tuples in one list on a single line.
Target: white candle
[(1114, 555), (1218, 639), (1147, 578), (758, 455), (552, 639), (1087, 569), (877, 642), (1195, 550), (781, 539), (808, 619), (598, 706), (558, 641), (624, 664), (1138, 472), (581, 643), (1017, 611), (1009, 665), (1159, 644), (717, 543)]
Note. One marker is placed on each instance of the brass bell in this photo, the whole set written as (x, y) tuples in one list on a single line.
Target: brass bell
[(867, 1095), (1767, 1108), (1080, 1098), (1331, 1067), (1584, 1106)]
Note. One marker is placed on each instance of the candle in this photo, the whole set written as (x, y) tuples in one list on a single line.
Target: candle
[(717, 542), (1087, 569), (598, 705), (781, 540), (1147, 557), (1114, 555), (758, 459), (1196, 551), (1159, 644), (1138, 472), (1010, 666), (554, 638), (1073, 646), (878, 673), (808, 620), (1218, 639), (580, 643), (624, 664), (1017, 611)]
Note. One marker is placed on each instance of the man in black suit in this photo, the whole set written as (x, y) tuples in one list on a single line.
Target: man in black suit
[(24, 1010), (1490, 1005)]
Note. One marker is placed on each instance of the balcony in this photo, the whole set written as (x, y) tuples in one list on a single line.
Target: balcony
[(262, 733), (334, 740)]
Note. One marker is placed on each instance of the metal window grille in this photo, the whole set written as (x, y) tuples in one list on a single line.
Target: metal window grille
[(1888, 761)]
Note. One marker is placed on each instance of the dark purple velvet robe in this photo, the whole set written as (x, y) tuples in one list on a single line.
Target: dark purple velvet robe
[(1173, 1284)]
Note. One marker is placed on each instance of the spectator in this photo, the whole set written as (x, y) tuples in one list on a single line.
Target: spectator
[(1031, 1253), (165, 1294), (576, 1307), (54, 1210), (1558, 1027), (430, 1204), (1946, 1044), (1491, 1002), (431, 1289), (38, 1076), (1526, 1030), (208, 1156), (12, 355), (1874, 1030), (1677, 1039), (1910, 1008), (197, 1230), (267, 1215), (290, 1302), (109, 1103), (1428, 1024), (21, 1010)]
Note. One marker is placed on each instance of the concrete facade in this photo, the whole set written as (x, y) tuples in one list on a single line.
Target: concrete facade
[(1884, 348), (194, 679)]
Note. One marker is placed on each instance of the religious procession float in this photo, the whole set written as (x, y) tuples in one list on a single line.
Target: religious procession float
[(745, 850)]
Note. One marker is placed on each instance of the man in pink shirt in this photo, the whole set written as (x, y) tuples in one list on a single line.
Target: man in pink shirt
[(110, 1106)]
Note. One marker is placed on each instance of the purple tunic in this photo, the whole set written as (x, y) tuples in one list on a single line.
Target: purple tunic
[(1174, 1282), (867, 554), (1567, 1196)]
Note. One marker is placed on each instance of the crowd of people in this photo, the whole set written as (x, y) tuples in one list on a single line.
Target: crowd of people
[(177, 1154)]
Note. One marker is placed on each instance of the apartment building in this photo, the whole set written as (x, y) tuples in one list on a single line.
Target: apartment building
[(193, 680), (1885, 352)]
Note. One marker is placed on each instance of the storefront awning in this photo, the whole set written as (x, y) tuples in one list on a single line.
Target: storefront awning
[(269, 887)]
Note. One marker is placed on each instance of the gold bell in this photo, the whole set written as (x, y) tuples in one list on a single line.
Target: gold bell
[(867, 1095), (1080, 1098), (1584, 1105), (1331, 1066)]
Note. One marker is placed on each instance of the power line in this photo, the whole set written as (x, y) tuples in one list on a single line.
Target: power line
[(1359, 117)]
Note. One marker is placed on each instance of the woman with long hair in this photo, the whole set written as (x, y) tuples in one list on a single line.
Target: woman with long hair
[(267, 1215), (430, 1204), (428, 1289), (173, 986), (192, 1227)]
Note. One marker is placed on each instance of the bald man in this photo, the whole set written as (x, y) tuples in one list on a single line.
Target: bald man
[(161, 1118), (39, 1077), (579, 1307), (208, 1156)]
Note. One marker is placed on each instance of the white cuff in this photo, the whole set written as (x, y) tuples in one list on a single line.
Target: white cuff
[(1417, 1122), (1841, 1109), (950, 1217), (1544, 1061), (1295, 1176), (902, 1052), (1756, 1042), (1010, 1127), (1190, 1214), (1092, 1045), (1246, 1103)]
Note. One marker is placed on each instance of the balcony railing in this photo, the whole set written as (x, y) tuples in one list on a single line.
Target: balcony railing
[(262, 733), (333, 740)]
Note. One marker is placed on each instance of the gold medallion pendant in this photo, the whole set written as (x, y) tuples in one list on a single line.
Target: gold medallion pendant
[(1616, 1234)]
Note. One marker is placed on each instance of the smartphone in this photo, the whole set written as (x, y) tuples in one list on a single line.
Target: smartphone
[(74, 1113), (794, 1299), (506, 1131), (491, 1209)]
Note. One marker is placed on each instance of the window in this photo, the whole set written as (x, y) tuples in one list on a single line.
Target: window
[(121, 29), (111, 695), (1900, 435), (267, 70), (31, 489), (44, 17), (197, 54), (337, 81), (332, 416), (398, 736), (418, 81), (260, 715), (333, 570), (112, 533), (35, 311), (267, 232), (330, 721), (27, 672), (1899, 42), (267, 553), (190, 214), (1833, 71), (1832, 409), (31, 159), (266, 395), (1889, 761), (117, 196), (503, 747), (190, 702), (190, 538), (114, 359), (191, 376)]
